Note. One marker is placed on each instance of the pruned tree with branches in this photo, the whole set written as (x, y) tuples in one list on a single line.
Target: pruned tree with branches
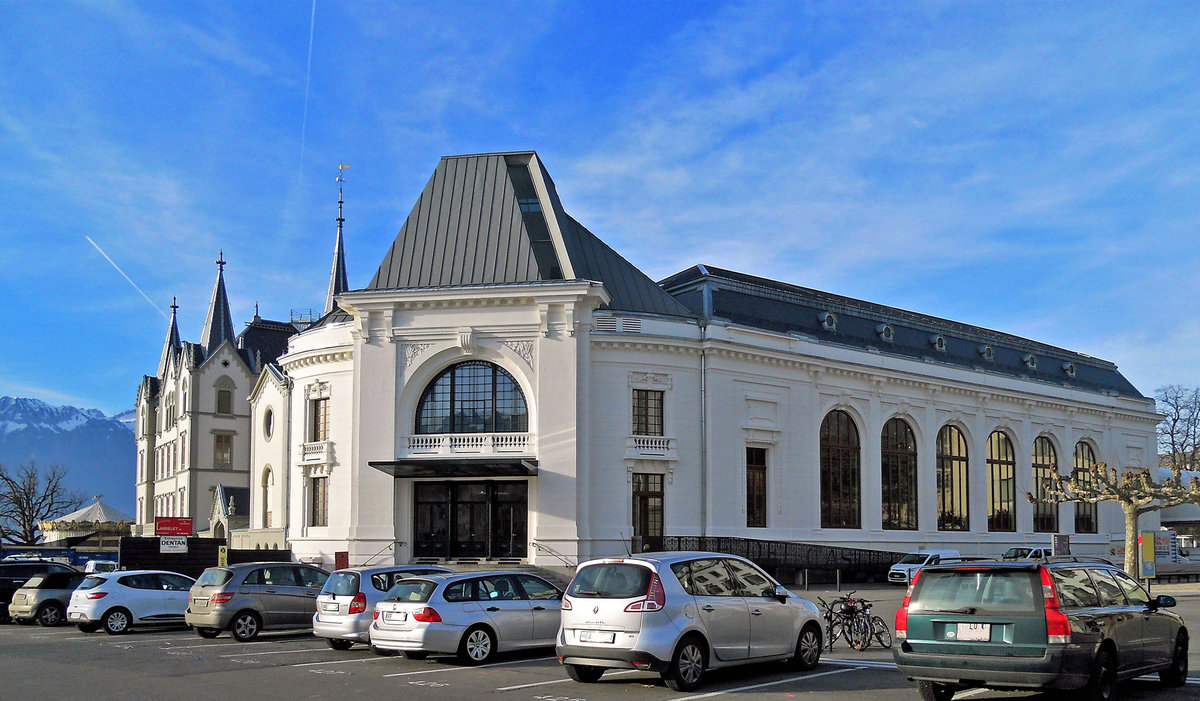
[(1135, 489), (29, 495)]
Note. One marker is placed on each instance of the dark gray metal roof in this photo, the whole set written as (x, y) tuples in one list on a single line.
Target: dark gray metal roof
[(218, 325), (171, 346), (713, 293), (477, 223)]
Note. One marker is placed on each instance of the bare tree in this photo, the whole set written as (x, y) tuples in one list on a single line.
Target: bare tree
[(29, 495), (1179, 431)]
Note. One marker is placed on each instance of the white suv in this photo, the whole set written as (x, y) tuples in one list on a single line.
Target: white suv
[(681, 614)]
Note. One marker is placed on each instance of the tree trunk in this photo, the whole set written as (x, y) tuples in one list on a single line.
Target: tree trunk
[(1132, 556)]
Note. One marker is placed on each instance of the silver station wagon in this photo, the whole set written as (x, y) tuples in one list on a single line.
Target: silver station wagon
[(681, 614), (346, 604), (472, 615)]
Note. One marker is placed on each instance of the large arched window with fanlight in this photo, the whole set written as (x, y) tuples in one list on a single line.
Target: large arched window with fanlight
[(841, 472), (473, 397), (898, 472), (1085, 463), (1045, 469)]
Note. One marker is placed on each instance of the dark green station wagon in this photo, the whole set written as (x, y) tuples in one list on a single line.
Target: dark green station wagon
[(1059, 623)]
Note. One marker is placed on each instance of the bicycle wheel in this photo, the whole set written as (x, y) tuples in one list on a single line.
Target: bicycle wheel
[(833, 631), (881, 632), (858, 637)]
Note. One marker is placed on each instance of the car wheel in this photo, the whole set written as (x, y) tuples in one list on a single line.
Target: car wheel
[(415, 654), (116, 621), (208, 632), (382, 652), (1176, 674), (478, 646), (687, 665), (808, 648), (88, 627), (245, 626), (1102, 682), (584, 673), (933, 691), (340, 644), (50, 615)]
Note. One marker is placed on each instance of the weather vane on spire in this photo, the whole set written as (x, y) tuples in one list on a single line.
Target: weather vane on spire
[(221, 262), (342, 167)]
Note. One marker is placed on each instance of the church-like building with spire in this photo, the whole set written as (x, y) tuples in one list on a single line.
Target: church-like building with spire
[(192, 426)]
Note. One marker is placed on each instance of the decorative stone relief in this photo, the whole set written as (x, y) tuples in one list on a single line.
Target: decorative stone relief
[(412, 350), (649, 380), (316, 390), (524, 349), (466, 340)]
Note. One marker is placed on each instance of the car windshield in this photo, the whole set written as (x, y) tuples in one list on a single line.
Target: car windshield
[(91, 582), (341, 584), (968, 591), (1013, 553), (411, 590), (913, 559), (610, 580), (214, 578)]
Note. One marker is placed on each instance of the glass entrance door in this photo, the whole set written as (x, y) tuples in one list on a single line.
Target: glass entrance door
[(470, 519), (510, 509), (431, 532)]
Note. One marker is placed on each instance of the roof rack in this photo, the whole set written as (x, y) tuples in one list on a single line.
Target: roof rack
[(963, 558), (1078, 558)]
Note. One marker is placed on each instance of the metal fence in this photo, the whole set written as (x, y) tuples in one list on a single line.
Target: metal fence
[(787, 559)]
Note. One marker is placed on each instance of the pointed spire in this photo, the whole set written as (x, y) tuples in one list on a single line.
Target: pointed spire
[(337, 276), (172, 344), (218, 326)]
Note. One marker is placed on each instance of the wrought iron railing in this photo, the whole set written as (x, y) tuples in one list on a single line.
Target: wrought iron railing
[(553, 553), (773, 554)]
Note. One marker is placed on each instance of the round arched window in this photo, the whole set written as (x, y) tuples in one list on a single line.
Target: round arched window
[(473, 397)]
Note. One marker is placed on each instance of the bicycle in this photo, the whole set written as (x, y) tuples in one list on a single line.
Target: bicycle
[(842, 621), (877, 627)]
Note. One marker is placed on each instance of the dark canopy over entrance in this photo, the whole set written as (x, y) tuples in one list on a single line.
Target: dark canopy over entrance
[(480, 467)]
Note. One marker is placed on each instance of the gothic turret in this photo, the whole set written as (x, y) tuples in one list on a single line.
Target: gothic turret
[(172, 345), (218, 326), (337, 276)]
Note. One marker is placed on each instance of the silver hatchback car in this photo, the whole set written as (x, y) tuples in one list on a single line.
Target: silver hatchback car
[(346, 603), (246, 598), (681, 614), (473, 615)]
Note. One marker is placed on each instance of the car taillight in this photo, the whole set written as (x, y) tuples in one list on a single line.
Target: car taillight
[(901, 626), (655, 599), (96, 594), (359, 604), (1058, 628), (566, 605), (375, 615), (427, 615), (222, 598)]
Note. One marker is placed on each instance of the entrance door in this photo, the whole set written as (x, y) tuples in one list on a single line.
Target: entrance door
[(510, 512), (431, 533), (647, 511), (470, 537)]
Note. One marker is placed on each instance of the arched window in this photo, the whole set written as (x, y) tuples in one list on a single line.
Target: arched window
[(1002, 483), (266, 496), (473, 397), (1045, 468), (841, 471), (1085, 461), (952, 480), (225, 388), (898, 473)]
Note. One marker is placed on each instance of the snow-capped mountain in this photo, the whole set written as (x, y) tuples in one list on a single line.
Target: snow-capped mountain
[(97, 450)]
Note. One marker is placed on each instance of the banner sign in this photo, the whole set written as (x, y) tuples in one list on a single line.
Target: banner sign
[(1146, 554), (173, 525), (223, 556), (172, 544)]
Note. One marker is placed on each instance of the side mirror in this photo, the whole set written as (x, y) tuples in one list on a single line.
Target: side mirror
[(1162, 601), (782, 593)]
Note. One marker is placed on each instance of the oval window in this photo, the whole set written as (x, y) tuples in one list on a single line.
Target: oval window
[(268, 423)]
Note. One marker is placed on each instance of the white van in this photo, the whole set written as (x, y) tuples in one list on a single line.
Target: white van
[(902, 572), (100, 566)]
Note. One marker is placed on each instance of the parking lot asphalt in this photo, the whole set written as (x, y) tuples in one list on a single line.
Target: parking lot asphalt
[(175, 664)]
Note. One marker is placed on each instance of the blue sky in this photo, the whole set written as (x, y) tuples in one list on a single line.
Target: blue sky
[(1027, 167)]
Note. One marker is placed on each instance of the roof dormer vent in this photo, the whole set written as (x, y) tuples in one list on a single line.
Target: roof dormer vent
[(886, 333), (1030, 361), (938, 342), (1069, 369), (828, 320), (987, 353)]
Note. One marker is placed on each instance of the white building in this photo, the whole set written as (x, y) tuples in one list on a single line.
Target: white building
[(509, 387), (193, 414)]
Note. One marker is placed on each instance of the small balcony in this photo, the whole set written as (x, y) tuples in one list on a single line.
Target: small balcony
[(476, 444), (651, 448), (316, 453)]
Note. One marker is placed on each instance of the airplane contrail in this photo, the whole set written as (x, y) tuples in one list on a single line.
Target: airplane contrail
[(312, 25), (131, 282)]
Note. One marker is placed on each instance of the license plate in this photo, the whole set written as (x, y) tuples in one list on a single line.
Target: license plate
[(76, 616), (595, 636), (395, 616), (200, 603), (973, 632), (332, 607)]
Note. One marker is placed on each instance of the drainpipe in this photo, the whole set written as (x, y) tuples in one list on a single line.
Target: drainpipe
[(704, 317)]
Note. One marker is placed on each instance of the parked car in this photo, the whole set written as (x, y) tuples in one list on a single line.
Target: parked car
[(117, 601), (681, 614), (1062, 623), (44, 598), (472, 615), (346, 604), (100, 566), (251, 597), (15, 572), (1024, 553), (902, 572)]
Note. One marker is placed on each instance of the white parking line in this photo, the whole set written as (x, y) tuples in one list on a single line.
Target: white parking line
[(278, 652), (466, 669), (227, 644), (373, 658), (777, 682), (560, 681)]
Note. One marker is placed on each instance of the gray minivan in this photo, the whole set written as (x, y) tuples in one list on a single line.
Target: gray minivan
[(254, 596)]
